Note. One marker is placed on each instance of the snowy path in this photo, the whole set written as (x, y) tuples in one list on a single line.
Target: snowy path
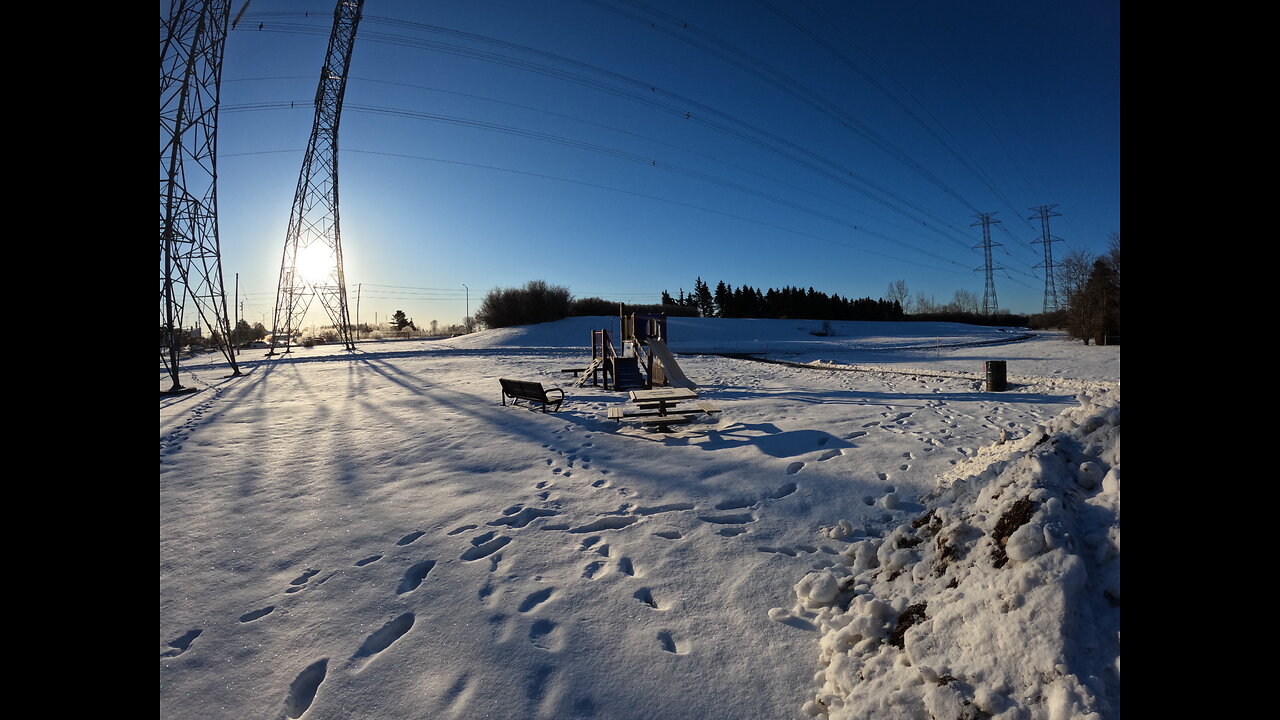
[(377, 535)]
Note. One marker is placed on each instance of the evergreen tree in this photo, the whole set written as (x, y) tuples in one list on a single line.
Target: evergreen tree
[(724, 300), (401, 321), (702, 298)]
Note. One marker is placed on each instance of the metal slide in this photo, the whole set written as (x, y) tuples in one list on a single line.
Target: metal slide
[(675, 376)]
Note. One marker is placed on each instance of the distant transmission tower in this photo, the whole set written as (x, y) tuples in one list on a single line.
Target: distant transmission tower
[(191, 45), (1043, 213), (313, 235), (989, 304)]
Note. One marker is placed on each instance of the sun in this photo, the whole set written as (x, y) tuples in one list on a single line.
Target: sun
[(315, 264)]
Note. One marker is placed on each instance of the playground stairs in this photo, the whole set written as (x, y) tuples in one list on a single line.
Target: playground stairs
[(627, 374)]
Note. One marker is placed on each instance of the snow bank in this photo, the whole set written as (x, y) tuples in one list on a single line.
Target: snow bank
[(1002, 600)]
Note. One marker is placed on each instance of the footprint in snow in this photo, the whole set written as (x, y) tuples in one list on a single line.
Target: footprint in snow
[(304, 577), (368, 560), (303, 690), (462, 529), (780, 550), (734, 519), (782, 492), (535, 599), (254, 615), (834, 452), (543, 635), (625, 567), (523, 517), (669, 534), (645, 595), (382, 638), (669, 643), (794, 468), (592, 570), (485, 549), (410, 537), (182, 644), (414, 576), (608, 523)]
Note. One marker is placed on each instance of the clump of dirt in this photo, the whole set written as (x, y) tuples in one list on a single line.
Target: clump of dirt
[(946, 553), (912, 615), (1016, 516)]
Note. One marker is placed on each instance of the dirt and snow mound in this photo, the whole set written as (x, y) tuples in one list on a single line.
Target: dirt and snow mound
[(1001, 601)]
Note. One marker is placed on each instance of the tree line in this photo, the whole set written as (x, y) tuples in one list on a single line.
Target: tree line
[(727, 301), (1088, 291)]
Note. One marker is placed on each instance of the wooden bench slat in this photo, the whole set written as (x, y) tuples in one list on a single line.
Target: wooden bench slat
[(666, 419)]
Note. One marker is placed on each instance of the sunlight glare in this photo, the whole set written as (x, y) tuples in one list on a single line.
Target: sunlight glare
[(316, 264)]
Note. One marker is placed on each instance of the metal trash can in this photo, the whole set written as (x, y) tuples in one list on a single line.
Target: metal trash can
[(996, 375)]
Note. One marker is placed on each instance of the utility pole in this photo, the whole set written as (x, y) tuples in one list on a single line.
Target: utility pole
[(1043, 213), (466, 319), (313, 223), (192, 40), (358, 286), (989, 304)]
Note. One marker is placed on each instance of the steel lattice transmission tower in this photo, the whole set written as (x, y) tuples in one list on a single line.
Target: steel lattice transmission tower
[(989, 304), (1043, 213), (313, 223), (192, 39)]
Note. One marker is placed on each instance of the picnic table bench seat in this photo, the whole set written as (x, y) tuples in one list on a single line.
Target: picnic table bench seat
[(532, 392)]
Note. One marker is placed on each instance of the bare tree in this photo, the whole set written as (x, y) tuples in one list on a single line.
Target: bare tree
[(966, 301), (1073, 278), (924, 304), (898, 292), (1113, 255)]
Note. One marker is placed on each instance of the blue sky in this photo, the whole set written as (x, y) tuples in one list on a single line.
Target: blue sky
[(621, 148)]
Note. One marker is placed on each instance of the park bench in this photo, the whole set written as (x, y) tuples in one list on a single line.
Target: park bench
[(519, 390)]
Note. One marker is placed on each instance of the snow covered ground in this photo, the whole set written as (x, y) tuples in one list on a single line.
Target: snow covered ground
[(873, 535)]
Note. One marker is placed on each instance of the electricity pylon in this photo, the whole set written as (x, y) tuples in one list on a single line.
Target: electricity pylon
[(313, 223), (989, 304), (192, 39), (1043, 213)]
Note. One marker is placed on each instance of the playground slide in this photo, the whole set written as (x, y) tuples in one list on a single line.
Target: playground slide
[(675, 376)]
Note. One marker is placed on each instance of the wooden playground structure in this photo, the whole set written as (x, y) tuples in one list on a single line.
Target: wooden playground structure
[(646, 368), (644, 361)]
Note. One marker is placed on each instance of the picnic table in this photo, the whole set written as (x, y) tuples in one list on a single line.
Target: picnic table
[(662, 398), (659, 407)]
